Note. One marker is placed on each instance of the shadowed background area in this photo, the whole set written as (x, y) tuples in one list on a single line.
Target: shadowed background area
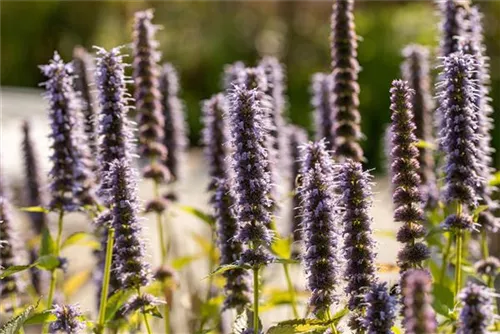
[(200, 37)]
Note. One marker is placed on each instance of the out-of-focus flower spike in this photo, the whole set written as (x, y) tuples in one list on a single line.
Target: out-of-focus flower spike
[(477, 310), (381, 310), (231, 74), (69, 319), (419, 316), (321, 101), (452, 14)]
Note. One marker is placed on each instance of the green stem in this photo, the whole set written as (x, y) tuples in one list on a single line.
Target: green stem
[(291, 291), (53, 275), (159, 223), (332, 325), (167, 319), (256, 299), (446, 256), (105, 281), (210, 277), (144, 315), (484, 244), (458, 264)]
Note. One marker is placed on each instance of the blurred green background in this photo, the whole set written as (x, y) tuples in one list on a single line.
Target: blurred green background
[(200, 37)]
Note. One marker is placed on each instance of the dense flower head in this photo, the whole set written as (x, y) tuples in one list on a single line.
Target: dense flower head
[(405, 178), (215, 137), (452, 25), (319, 212), (231, 75), (321, 101), (297, 137), (147, 94), (419, 316), (236, 289), (10, 245), (477, 310), (68, 320), (459, 137), (415, 70), (84, 82), (489, 266), (380, 311), (345, 69), (130, 266), (175, 139), (69, 175), (113, 126), (141, 303), (354, 185), (35, 194)]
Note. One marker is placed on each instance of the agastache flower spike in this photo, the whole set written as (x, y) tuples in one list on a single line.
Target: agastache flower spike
[(252, 180), (297, 137), (345, 68), (231, 75), (356, 200), (130, 266), (319, 213), (68, 320), (415, 70), (237, 287), (381, 310), (459, 133), (452, 25), (419, 316), (114, 126), (34, 189), (10, 245), (147, 94), (477, 311), (215, 137), (175, 139), (85, 84), (321, 89), (405, 178), (69, 173)]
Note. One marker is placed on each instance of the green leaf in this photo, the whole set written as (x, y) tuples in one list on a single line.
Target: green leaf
[(495, 180), (243, 321), (14, 325), (286, 261), (14, 269), (182, 261), (199, 214), (34, 209), (47, 262), (48, 245), (222, 269), (154, 311), (305, 325), (477, 211), (396, 330), (443, 299), (425, 144), (40, 318), (74, 239), (282, 247), (116, 301)]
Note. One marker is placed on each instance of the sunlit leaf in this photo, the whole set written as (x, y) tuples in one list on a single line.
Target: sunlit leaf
[(442, 299), (13, 269), (116, 301), (14, 325), (48, 245), (425, 144), (495, 180), (34, 209), (282, 247), (40, 318), (199, 214), (75, 239), (47, 262), (305, 325), (182, 261), (75, 282), (222, 269)]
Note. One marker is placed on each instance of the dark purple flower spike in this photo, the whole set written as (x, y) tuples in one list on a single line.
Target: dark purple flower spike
[(381, 310), (419, 316), (321, 101), (477, 310), (231, 75), (452, 27), (68, 320)]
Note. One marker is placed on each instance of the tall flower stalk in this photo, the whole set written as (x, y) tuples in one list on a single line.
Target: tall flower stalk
[(319, 212), (345, 69), (380, 311), (419, 316), (477, 310), (452, 25), (405, 179), (321, 89), (355, 186), (252, 182)]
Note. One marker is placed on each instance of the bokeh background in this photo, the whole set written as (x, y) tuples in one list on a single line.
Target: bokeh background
[(200, 37)]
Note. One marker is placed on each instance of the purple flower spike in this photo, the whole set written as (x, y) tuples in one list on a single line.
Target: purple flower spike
[(359, 247), (68, 320), (319, 212), (231, 75), (215, 137), (296, 137), (114, 126), (415, 70), (477, 311), (459, 135), (419, 316), (237, 287), (250, 162), (69, 175), (175, 139), (452, 25), (130, 267), (345, 69), (381, 310), (405, 179), (321, 88), (34, 189), (147, 93)]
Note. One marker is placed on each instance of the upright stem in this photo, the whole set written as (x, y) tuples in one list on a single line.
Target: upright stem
[(53, 275), (446, 256), (210, 277), (105, 281), (332, 325), (159, 223), (256, 299), (291, 291), (144, 315), (484, 244), (458, 264)]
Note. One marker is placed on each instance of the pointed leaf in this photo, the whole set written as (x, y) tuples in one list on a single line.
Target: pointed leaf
[(14, 269), (222, 269), (40, 318), (443, 299), (495, 180), (34, 209), (199, 214), (75, 239), (14, 325), (48, 245), (47, 262), (282, 247), (116, 301), (182, 261)]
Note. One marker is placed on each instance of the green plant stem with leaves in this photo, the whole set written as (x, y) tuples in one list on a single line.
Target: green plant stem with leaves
[(332, 324), (144, 315), (291, 291), (105, 281), (446, 257), (53, 274)]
